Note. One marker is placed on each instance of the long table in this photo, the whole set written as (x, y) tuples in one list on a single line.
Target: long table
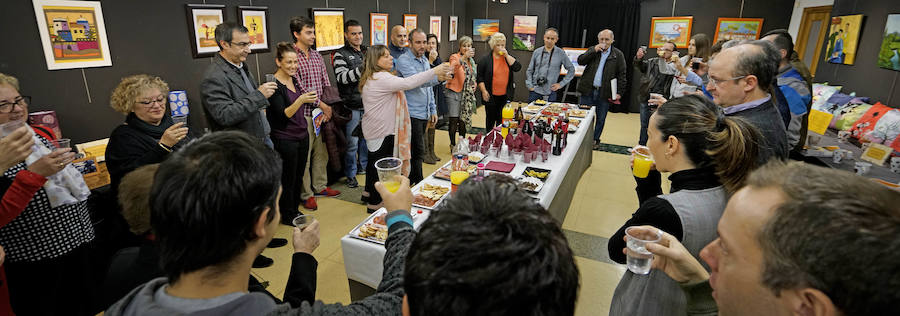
[(363, 259), (830, 139)]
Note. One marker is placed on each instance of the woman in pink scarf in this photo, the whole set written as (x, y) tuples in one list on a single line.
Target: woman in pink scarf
[(385, 122)]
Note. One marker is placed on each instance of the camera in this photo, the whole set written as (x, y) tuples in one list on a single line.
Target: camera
[(540, 81)]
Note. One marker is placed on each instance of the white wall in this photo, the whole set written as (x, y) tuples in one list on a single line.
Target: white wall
[(797, 15)]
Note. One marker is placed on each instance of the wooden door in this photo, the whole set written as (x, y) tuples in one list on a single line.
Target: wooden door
[(812, 34)]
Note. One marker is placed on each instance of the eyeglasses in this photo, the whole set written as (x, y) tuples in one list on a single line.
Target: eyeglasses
[(241, 45), (714, 81), (161, 100), (22, 101)]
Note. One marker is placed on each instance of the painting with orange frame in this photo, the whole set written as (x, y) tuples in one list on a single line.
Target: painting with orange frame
[(738, 28), (675, 29)]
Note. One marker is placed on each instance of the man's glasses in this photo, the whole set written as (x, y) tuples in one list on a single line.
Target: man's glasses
[(714, 81), (161, 100), (22, 101), (241, 45)]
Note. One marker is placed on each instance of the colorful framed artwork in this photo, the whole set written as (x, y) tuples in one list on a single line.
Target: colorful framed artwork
[(256, 20), (410, 22), (843, 37), (738, 28), (454, 27), (889, 55), (329, 28), (378, 29), (202, 21), (524, 32), (675, 29), (482, 29), (73, 34), (435, 26)]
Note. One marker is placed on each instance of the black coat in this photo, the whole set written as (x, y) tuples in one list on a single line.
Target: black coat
[(135, 144), (614, 68), (486, 74)]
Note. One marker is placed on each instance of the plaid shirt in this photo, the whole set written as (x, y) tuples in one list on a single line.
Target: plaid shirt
[(312, 76)]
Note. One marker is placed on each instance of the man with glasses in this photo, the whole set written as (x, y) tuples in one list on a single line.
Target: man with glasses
[(231, 100), (739, 78), (658, 74)]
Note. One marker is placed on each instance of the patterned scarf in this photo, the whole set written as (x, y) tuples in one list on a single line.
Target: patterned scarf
[(402, 130), (468, 102)]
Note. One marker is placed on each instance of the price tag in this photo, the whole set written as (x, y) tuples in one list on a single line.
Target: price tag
[(819, 121)]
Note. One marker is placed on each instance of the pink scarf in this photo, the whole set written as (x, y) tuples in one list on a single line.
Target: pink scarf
[(403, 128)]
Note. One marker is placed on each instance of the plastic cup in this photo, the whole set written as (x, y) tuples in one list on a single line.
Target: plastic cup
[(642, 162), (639, 260), (301, 221), (544, 156), (10, 127), (270, 77), (862, 168), (526, 157), (64, 143), (180, 119), (387, 169), (457, 178), (837, 156)]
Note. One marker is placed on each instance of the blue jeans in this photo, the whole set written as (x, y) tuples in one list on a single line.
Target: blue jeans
[(601, 107), (646, 112), (534, 96), (354, 145)]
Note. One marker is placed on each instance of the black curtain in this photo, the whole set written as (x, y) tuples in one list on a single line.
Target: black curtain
[(577, 18)]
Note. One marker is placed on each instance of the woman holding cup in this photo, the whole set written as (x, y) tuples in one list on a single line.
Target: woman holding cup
[(148, 134), (289, 130), (385, 123), (495, 79), (46, 244), (709, 156)]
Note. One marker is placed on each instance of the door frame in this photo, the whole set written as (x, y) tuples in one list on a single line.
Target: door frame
[(803, 35)]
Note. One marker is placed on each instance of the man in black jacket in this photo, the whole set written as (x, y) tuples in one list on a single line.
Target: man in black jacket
[(604, 64), (348, 65), (658, 74)]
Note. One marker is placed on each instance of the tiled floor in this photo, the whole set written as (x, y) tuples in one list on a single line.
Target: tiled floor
[(604, 199)]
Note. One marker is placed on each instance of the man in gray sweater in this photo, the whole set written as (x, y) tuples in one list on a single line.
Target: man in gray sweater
[(211, 221), (542, 75)]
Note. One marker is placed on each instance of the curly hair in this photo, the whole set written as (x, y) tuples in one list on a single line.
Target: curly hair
[(125, 94), (495, 39)]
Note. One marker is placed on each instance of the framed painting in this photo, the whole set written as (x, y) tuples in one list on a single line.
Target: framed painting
[(329, 28), (482, 29), (73, 34), (410, 22), (843, 38), (378, 29), (889, 55), (738, 28), (256, 20), (202, 22), (454, 27), (434, 26), (675, 29), (524, 32)]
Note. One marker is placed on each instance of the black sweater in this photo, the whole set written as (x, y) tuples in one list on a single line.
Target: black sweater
[(658, 212), (135, 144)]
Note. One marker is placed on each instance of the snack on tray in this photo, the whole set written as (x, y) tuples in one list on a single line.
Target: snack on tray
[(530, 183), (430, 194), (536, 174), (373, 231), (540, 101), (577, 113), (475, 157)]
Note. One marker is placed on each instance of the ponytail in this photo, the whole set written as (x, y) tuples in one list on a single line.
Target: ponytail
[(711, 139)]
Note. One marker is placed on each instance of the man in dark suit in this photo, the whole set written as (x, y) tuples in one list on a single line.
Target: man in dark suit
[(230, 98), (603, 64)]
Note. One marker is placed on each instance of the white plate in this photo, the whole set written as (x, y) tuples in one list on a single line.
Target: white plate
[(418, 188), (531, 179), (355, 232)]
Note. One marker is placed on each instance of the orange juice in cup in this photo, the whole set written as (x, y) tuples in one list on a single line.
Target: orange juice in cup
[(388, 168), (642, 161), (457, 178)]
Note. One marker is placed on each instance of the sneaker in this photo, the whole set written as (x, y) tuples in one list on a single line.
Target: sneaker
[(262, 262), (352, 183), (310, 204), (328, 192), (277, 242)]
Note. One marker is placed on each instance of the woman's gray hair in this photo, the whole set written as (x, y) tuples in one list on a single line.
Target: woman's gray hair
[(465, 40), (496, 38)]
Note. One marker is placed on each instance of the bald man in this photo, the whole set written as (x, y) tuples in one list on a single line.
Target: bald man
[(399, 41), (603, 63)]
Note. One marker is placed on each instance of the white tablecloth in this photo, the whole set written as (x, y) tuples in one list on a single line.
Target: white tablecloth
[(363, 259)]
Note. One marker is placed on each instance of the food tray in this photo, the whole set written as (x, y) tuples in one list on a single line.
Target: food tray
[(476, 154), (523, 179), (577, 113), (532, 108), (419, 188), (355, 232), (444, 172), (544, 178)]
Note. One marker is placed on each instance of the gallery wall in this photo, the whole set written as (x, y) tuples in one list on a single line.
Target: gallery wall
[(865, 77), (152, 37)]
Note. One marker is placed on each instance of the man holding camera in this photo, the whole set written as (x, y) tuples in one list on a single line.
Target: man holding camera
[(544, 66), (603, 64)]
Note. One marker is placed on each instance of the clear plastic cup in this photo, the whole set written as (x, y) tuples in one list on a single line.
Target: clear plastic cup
[(179, 119), (642, 161), (387, 169), (301, 221), (862, 168), (63, 143), (270, 77), (639, 260), (10, 127)]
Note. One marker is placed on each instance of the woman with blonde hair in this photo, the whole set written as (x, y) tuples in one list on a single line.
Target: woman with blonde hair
[(460, 90), (495, 78), (385, 124)]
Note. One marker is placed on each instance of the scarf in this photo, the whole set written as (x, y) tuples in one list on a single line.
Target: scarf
[(402, 130), (155, 131), (66, 186), (468, 102)]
